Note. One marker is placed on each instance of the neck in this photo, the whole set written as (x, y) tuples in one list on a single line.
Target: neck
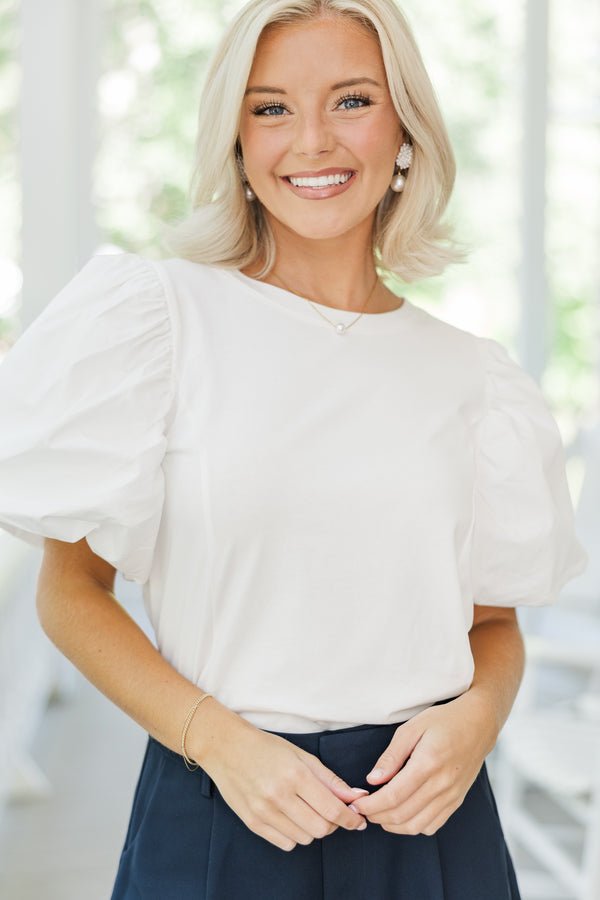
[(338, 272)]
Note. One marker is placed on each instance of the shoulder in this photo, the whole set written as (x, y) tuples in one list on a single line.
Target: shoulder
[(192, 286), (440, 331), (486, 358), (511, 390), (200, 297), (123, 269), (183, 274), (457, 355)]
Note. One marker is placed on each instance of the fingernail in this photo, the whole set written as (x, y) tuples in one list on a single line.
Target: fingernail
[(352, 806), (359, 790), (362, 827), (376, 773)]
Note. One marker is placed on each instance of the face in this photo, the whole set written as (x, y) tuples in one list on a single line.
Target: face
[(298, 120)]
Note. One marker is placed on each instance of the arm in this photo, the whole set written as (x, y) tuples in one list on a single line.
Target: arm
[(283, 793), (434, 758), (79, 612), (499, 655)]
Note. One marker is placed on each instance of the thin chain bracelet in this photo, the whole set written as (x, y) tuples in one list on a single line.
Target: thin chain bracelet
[(190, 764)]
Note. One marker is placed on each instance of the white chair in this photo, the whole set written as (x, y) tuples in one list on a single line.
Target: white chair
[(551, 741), (556, 749)]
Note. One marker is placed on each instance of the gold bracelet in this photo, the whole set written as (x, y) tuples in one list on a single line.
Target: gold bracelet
[(190, 764)]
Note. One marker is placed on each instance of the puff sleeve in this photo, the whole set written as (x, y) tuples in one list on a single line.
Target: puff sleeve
[(524, 546), (85, 394)]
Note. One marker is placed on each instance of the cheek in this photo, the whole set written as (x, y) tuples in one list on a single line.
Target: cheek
[(378, 141), (377, 148), (262, 150)]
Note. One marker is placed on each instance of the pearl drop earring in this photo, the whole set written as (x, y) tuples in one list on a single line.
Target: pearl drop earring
[(403, 161), (250, 195)]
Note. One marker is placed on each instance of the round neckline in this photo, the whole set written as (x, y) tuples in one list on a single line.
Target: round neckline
[(297, 305)]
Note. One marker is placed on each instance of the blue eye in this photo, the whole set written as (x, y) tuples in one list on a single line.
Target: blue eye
[(264, 108), (360, 97)]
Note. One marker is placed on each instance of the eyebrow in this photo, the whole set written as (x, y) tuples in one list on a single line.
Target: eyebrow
[(266, 89)]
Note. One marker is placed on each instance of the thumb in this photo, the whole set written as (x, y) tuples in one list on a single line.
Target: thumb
[(395, 754), (334, 782)]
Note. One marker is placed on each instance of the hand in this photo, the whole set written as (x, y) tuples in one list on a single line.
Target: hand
[(280, 791), (444, 748)]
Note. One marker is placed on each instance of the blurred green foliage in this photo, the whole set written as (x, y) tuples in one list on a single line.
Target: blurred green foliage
[(154, 134)]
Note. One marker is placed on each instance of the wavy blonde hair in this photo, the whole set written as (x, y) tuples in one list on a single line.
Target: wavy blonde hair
[(409, 237)]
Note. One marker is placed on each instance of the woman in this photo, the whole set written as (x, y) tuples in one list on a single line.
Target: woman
[(334, 500)]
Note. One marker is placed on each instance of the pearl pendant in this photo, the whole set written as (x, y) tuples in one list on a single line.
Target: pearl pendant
[(398, 182), (340, 327)]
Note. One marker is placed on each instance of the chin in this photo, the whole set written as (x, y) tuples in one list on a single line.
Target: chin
[(317, 231), (316, 234)]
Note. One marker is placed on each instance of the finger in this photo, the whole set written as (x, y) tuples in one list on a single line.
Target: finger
[(290, 827), (399, 749), (321, 792), (327, 805), (423, 765), (441, 819), (331, 779), (402, 786), (273, 836), (427, 794), (307, 818), (427, 822), (436, 789)]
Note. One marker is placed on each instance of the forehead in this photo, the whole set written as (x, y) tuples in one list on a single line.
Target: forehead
[(315, 51)]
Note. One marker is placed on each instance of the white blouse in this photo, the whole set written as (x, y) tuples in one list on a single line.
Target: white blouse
[(312, 515)]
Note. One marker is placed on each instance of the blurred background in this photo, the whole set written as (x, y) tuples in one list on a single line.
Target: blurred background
[(98, 105)]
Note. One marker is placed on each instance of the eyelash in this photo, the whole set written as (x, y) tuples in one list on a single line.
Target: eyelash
[(258, 110)]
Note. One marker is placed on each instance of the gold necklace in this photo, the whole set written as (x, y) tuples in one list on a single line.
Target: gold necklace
[(340, 327)]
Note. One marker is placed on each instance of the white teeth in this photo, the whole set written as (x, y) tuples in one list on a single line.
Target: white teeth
[(323, 181)]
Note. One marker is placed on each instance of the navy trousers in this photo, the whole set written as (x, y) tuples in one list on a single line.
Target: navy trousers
[(184, 842)]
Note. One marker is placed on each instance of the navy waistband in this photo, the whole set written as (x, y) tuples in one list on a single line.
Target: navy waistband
[(349, 729)]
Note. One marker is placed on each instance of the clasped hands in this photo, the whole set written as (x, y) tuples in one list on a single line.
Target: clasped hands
[(284, 793), (428, 767)]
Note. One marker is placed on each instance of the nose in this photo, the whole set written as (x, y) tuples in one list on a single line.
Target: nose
[(312, 136)]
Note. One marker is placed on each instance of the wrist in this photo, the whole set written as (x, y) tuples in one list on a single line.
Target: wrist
[(210, 727), (482, 715)]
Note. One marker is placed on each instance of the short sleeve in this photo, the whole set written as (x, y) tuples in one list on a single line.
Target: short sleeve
[(524, 547), (85, 394)]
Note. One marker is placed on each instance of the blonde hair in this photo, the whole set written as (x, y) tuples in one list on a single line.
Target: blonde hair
[(224, 229)]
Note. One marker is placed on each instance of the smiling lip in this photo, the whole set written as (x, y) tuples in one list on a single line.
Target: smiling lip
[(318, 174), (325, 191)]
